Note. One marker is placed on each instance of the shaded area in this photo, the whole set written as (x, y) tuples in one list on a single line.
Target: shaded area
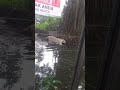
[(98, 24), (23, 9), (54, 61), (16, 58)]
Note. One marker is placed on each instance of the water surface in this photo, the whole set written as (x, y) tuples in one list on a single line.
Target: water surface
[(16, 59), (55, 60)]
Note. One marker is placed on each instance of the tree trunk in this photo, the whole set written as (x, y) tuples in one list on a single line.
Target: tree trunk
[(73, 15)]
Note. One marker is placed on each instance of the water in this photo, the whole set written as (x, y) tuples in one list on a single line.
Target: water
[(54, 60), (16, 59)]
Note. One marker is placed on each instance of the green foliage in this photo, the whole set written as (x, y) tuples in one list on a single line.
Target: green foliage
[(18, 4), (48, 83), (42, 26), (49, 23), (4, 3)]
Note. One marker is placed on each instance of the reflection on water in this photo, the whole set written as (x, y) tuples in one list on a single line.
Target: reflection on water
[(16, 60), (54, 60), (45, 59)]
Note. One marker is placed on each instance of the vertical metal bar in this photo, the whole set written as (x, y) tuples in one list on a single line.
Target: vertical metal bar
[(79, 63)]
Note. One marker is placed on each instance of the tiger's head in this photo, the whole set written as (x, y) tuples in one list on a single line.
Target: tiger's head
[(63, 42)]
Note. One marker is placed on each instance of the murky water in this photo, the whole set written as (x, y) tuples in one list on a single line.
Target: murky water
[(55, 60), (16, 60)]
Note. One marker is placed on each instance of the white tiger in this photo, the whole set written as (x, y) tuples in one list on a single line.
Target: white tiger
[(54, 40)]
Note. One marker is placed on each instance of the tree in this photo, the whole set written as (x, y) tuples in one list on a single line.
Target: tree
[(74, 17)]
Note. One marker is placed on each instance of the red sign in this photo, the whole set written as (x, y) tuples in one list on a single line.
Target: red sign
[(55, 3)]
